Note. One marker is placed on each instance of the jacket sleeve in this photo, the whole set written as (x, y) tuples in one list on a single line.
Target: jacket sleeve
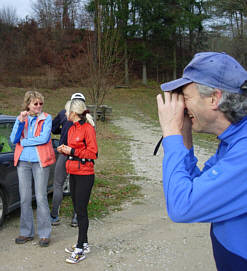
[(44, 136), (216, 194), (91, 151), (15, 135)]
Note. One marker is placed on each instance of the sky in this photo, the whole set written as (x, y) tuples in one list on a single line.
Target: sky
[(22, 7)]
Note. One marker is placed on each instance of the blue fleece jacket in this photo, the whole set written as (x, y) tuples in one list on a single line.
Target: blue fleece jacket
[(218, 193), (29, 153)]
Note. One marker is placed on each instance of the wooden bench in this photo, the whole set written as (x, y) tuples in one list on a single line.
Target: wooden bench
[(102, 111)]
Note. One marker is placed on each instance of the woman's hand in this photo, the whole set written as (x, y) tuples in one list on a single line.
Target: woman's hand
[(59, 149), (23, 116), (64, 149)]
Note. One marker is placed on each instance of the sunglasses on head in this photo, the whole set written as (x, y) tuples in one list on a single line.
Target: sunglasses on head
[(35, 104)]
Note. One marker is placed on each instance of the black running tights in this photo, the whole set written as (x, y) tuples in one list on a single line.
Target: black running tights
[(80, 188)]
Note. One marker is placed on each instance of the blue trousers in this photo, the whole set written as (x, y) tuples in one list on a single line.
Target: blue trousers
[(224, 259), (27, 172)]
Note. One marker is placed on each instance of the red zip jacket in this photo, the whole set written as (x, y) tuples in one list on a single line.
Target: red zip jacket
[(82, 140)]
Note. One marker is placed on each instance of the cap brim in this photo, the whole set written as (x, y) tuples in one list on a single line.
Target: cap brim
[(175, 84)]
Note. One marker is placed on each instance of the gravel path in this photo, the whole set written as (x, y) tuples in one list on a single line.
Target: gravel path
[(139, 238)]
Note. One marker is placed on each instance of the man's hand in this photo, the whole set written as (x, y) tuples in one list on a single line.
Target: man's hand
[(171, 113), (173, 120)]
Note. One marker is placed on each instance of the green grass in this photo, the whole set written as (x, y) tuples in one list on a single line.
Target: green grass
[(206, 141), (114, 181), (107, 195), (143, 100), (115, 177), (114, 169), (128, 102)]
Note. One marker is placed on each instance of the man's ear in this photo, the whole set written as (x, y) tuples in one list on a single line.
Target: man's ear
[(215, 98)]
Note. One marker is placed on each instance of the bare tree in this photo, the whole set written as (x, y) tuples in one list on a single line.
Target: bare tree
[(43, 11), (104, 55), (8, 16), (62, 14)]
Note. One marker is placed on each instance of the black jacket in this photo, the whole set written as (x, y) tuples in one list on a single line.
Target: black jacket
[(60, 125)]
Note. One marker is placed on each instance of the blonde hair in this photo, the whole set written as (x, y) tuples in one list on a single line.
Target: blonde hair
[(67, 106), (79, 107), (30, 96)]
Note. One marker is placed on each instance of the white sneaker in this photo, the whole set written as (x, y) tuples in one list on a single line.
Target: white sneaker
[(86, 248), (76, 256), (70, 249)]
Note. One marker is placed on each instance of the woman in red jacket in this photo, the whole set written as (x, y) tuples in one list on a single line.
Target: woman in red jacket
[(82, 150)]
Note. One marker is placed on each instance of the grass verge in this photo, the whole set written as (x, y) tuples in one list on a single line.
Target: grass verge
[(114, 182)]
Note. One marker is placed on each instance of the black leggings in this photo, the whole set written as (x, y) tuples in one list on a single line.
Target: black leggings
[(80, 188)]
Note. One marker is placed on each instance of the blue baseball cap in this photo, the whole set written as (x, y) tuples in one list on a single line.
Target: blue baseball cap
[(216, 70)]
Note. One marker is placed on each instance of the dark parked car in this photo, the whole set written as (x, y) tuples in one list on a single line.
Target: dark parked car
[(9, 192)]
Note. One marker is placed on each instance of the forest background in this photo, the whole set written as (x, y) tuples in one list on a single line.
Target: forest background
[(102, 44)]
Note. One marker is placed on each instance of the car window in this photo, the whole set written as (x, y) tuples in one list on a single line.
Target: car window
[(5, 143)]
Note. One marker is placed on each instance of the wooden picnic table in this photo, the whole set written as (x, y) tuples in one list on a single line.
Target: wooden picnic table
[(102, 111)]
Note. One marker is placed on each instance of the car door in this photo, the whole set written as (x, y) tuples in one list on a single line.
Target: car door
[(8, 173)]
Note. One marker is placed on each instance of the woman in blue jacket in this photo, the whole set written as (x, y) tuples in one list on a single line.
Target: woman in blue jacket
[(33, 156)]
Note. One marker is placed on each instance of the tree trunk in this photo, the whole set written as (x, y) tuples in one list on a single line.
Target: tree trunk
[(174, 63), (144, 73), (157, 73), (126, 64)]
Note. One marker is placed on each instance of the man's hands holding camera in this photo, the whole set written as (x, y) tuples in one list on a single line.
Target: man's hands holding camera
[(173, 117)]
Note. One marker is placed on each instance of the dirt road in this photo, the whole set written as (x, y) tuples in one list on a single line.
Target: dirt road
[(139, 238)]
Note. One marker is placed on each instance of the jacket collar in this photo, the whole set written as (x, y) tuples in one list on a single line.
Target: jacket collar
[(230, 133), (42, 116), (80, 122)]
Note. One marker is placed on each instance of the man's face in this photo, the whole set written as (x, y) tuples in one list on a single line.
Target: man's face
[(198, 109)]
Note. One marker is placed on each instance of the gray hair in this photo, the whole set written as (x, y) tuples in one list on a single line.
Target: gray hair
[(233, 105), (78, 106)]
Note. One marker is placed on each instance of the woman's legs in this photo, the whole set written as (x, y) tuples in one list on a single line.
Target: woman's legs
[(24, 170), (41, 176), (59, 178), (81, 186)]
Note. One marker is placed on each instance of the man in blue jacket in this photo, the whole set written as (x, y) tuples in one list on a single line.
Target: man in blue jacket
[(213, 92), (60, 125)]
